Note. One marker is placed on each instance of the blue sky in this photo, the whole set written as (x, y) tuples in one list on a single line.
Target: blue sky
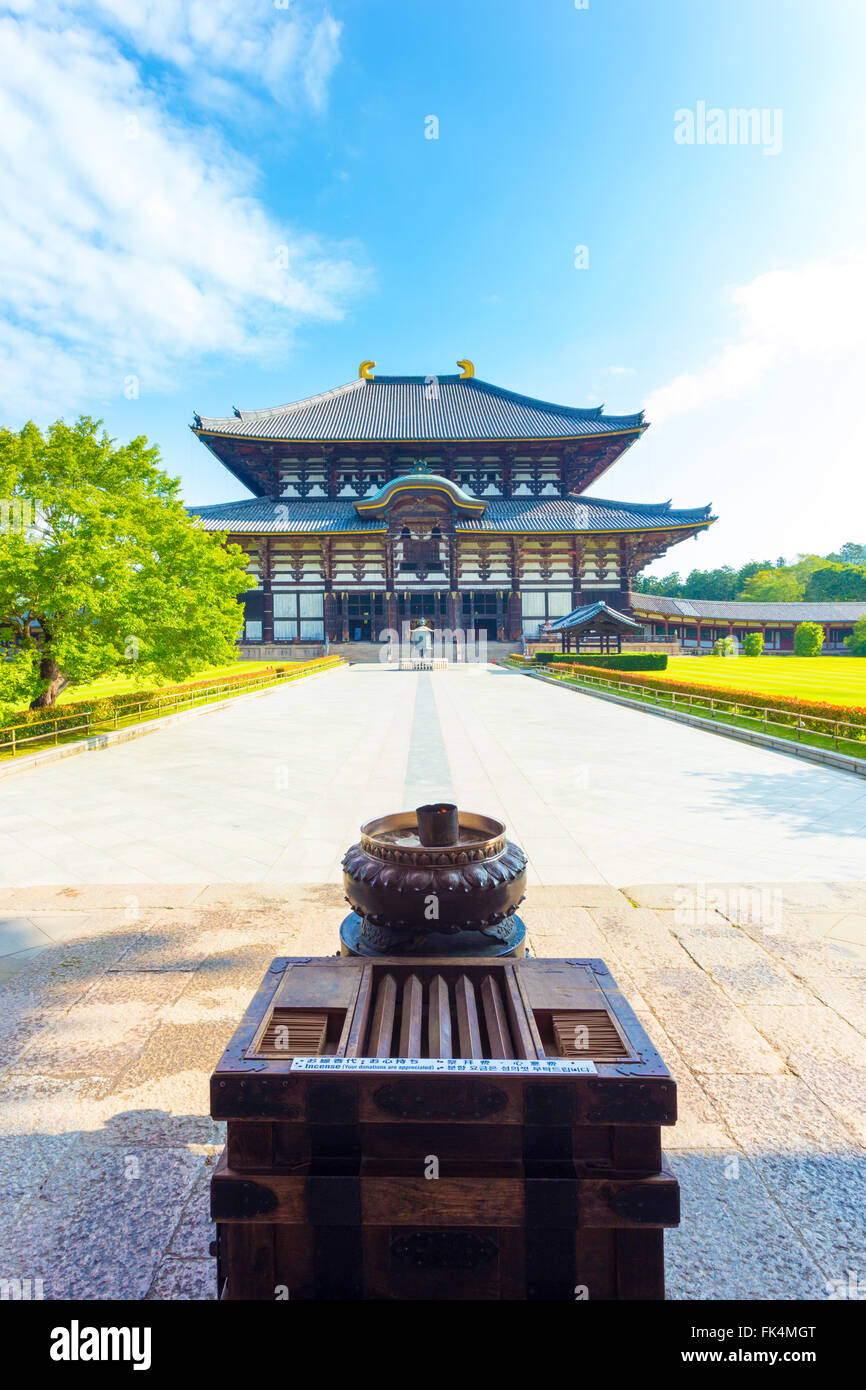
[(212, 204)]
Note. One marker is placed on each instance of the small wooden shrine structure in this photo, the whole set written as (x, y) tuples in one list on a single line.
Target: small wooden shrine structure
[(595, 625)]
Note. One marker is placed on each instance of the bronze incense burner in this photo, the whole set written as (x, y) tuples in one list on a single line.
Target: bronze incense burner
[(434, 880)]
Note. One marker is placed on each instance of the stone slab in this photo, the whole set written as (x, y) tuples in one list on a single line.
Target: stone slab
[(711, 1034)]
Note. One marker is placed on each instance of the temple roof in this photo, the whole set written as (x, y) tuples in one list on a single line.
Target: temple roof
[(734, 609), (419, 408), (592, 615), (419, 482), (582, 514), (516, 515)]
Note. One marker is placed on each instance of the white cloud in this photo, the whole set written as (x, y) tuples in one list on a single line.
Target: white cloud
[(768, 428), (815, 312), (286, 48), (129, 241)]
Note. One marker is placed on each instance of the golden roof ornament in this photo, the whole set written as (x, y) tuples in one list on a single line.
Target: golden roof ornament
[(468, 368), (366, 370)]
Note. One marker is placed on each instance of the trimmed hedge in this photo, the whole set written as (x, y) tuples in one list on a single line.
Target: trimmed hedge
[(622, 661), (788, 707), (70, 713)]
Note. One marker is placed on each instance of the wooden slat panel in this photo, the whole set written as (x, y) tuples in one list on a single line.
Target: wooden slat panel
[(468, 1030), (410, 1023), (360, 1018), (439, 1019), (382, 1029), (293, 1033), (522, 1028), (587, 1033), (498, 1033)]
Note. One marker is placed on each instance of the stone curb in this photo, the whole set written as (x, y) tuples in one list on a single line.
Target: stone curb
[(13, 766), (843, 761)]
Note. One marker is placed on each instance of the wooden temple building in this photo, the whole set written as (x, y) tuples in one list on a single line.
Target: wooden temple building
[(695, 623), (397, 498)]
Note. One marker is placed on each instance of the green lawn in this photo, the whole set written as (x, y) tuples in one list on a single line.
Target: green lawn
[(841, 680), (116, 685)]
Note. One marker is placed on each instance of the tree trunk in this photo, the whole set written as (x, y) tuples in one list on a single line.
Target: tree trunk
[(51, 672)]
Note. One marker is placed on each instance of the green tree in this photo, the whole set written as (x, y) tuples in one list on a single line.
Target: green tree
[(102, 567), (856, 643), (808, 639), (772, 586), (722, 583), (839, 582), (752, 567), (850, 554), (753, 643), (668, 587)]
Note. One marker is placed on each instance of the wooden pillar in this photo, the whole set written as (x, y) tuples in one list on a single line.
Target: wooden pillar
[(507, 466), (329, 458), (331, 628), (267, 593), (577, 549), (453, 617), (515, 603), (455, 596)]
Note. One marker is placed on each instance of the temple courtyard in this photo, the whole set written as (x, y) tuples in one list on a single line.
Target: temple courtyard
[(149, 885)]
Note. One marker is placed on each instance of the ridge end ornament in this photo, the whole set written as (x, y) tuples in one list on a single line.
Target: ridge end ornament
[(365, 371), (468, 368)]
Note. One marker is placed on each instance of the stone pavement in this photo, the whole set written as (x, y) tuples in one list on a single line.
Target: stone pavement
[(273, 790), (755, 996)]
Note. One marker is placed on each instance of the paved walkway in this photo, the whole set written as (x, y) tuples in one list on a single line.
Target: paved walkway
[(124, 975), (107, 1040), (274, 789)]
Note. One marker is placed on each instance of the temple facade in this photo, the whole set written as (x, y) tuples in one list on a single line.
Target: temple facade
[(397, 498)]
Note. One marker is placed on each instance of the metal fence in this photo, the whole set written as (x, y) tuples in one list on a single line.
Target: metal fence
[(16, 739), (767, 718)]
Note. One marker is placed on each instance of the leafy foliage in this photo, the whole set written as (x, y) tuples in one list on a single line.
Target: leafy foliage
[(101, 566), (856, 643), (840, 582), (808, 639), (623, 661), (773, 586), (753, 644), (725, 646), (841, 575), (781, 704)]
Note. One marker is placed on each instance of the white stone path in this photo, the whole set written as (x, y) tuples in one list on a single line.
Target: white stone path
[(273, 790), (148, 887)]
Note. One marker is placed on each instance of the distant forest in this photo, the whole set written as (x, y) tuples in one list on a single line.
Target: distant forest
[(839, 576)]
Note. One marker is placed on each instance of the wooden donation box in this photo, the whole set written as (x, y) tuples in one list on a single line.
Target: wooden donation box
[(441, 1129)]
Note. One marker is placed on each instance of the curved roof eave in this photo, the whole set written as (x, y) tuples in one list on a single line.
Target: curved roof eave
[(421, 482)]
